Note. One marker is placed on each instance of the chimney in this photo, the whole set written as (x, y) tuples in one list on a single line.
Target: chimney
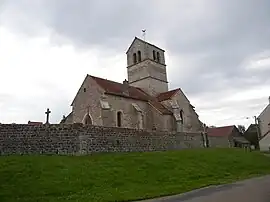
[(125, 87)]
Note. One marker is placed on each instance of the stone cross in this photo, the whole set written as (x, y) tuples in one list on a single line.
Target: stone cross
[(48, 114)]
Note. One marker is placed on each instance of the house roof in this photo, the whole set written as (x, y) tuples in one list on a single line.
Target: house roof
[(251, 129), (132, 92), (220, 131), (136, 38), (167, 95)]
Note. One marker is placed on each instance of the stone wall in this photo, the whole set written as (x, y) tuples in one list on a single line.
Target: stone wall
[(76, 139)]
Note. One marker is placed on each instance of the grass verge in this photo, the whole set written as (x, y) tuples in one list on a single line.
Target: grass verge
[(123, 176)]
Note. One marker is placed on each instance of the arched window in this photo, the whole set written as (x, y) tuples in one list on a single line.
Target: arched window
[(158, 57), (139, 56), (154, 55), (134, 58), (119, 119), (87, 120)]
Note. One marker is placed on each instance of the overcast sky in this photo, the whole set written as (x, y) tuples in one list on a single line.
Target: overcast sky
[(217, 51)]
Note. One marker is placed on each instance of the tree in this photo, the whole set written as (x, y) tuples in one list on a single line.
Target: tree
[(241, 128)]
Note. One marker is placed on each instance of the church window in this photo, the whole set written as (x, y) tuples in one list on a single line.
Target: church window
[(134, 58), (119, 119), (84, 90), (182, 116), (154, 55), (158, 57), (139, 56), (104, 104), (87, 120)]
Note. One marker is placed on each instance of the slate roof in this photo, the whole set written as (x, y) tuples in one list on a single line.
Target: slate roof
[(119, 89), (167, 95), (220, 131)]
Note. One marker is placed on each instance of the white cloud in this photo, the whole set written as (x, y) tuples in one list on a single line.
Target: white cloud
[(260, 61), (36, 75)]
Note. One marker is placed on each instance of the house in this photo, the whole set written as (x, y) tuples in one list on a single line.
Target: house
[(251, 134), (141, 102), (226, 136), (264, 125)]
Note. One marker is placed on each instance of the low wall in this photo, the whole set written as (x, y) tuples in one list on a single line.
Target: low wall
[(76, 139)]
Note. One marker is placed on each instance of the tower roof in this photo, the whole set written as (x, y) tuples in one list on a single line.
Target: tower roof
[(136, 38)]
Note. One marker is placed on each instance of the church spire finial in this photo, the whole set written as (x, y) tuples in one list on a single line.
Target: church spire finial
[(144, 33)]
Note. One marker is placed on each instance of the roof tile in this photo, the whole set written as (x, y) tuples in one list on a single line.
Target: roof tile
[(220, 131), (132, 92), (167, 95)]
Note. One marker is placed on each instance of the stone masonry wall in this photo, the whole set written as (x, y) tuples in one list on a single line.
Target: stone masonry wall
[(76, 139)]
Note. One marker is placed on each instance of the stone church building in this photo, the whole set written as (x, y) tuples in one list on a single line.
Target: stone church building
[(141, 102)]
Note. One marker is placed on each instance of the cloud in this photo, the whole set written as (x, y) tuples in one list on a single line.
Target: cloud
[(215, 49)]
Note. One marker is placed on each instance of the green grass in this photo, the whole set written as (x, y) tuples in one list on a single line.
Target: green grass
[(123, 176)]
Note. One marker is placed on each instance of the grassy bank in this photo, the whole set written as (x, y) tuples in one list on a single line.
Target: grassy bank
[(125, 176)]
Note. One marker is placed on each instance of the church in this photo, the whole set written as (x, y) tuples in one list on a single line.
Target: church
[(142, 102)]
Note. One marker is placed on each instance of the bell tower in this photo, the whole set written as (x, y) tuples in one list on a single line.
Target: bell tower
[(146, 67)]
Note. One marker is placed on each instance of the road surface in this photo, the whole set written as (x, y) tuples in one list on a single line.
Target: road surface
[(252, 190)]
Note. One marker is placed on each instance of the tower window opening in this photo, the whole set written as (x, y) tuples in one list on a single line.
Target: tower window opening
[(119, 119), (139, 56), (134, 58), (158, 57), (154, 55)]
